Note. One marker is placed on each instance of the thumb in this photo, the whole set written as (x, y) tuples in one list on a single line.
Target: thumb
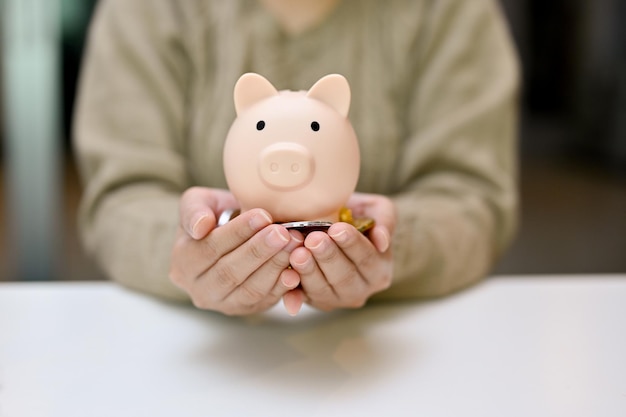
[(197, 210)]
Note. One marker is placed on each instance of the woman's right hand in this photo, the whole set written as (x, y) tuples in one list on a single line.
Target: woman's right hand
[(239, 268)]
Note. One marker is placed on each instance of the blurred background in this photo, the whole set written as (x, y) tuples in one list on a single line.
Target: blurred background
[(572, 138)]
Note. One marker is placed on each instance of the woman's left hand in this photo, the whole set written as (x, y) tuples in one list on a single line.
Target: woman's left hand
[(343, 267)]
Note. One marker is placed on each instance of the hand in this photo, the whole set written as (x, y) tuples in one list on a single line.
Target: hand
[(239, 268), (343, 267)]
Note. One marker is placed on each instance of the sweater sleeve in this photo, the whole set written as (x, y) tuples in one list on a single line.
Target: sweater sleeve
[(458, 199), (129, 138)]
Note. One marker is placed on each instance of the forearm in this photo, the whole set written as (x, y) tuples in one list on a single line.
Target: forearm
[(444, 243), (456, 195), (129, 140), (130, 234)]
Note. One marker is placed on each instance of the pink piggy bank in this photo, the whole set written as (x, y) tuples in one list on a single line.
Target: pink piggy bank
[(295, 154)]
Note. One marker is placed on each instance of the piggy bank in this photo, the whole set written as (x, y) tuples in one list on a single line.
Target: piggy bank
[(292, 153)]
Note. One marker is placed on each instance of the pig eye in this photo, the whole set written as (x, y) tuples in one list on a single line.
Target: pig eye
[(315, 126), (260, 125)]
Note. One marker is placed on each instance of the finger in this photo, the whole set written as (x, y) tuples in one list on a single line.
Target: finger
[(378, 207), (312, 279), (381, 238), (235, 233), (288, 281), (232, 269), (340, 272), (198, 209), (372, 266), (289, 278), (200, 256), (202, 222), (293, 300), (271, 280), (180, 260)]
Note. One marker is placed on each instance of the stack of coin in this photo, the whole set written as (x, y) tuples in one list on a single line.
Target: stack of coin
[(362, 224)]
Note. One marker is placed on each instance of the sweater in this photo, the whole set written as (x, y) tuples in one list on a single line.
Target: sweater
[(434, 106)]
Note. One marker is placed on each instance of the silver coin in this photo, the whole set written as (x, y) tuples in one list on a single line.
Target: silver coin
[(308, 226), (227, 215)]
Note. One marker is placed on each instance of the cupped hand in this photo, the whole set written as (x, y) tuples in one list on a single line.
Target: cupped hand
[(238, 268), (343, 268)]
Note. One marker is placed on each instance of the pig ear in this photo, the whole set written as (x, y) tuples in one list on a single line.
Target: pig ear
[(333, 90), (249, 89)]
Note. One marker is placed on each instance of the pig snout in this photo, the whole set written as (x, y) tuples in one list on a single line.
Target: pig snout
[(286, 165)]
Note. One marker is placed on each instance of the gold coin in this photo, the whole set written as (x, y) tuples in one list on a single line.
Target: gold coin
[(345, 215), (363, 224)]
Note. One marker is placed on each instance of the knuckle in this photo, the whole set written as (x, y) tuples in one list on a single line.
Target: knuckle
[(325, 307), (251, 295), (210, 250), (367, 260), (257, 253), (355, 303), (201, 303), (230, 310), (382, 280), (246, 227), (176, 272), (236, 309), (347, 279), (278, 263), (241, 234), (385, 281), (181, 243), (176, 277), (322, 294), (329, 255), (225, 276)]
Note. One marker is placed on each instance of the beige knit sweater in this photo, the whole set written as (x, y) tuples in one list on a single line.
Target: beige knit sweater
[(434, 86)]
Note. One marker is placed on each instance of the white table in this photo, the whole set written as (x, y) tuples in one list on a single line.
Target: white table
[(512, 346)]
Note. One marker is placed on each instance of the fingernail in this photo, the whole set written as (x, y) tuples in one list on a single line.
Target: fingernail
[(293, 302), (194, 229), (315, 246), (383, 238), (296, 236), (276, 239), (299, 259), (338, 237), (290, 280), (293, 309), (260, 220)]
